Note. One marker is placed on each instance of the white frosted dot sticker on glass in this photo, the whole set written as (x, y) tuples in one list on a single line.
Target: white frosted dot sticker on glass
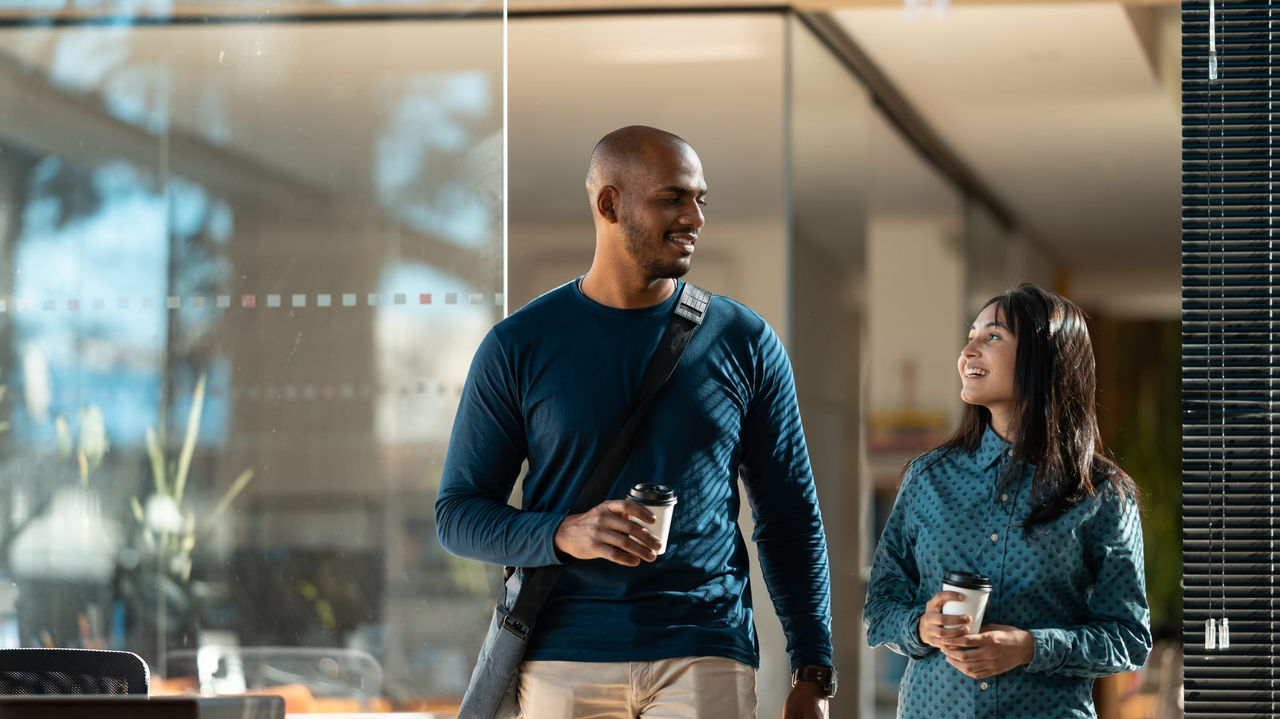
[(99, 303), (197, 301), (273, 300), (323, 300), (48, 305), (399, 298), (224, 301), (373, 299), (299, 300), (451, 298), (348, 299), (122, 303), (172, 302)]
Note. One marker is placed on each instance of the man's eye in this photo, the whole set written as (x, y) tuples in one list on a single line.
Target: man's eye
[(702, 202)]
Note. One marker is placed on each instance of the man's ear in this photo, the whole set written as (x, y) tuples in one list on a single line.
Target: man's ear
[(607, 203)]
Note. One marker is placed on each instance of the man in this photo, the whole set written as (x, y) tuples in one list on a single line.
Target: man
[(628, 633)]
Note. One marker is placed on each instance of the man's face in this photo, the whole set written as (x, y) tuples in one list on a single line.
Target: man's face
[(660, 212)]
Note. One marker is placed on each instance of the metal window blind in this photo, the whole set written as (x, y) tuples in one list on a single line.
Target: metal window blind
[(1229, 370)]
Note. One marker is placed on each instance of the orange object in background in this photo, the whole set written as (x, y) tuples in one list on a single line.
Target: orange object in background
[(178, 685), (298, 698), (432, 705)]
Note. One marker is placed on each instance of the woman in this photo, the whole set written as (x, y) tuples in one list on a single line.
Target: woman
[(1023, 494)]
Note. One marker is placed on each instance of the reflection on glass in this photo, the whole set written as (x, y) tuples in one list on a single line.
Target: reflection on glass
[(243, 277)]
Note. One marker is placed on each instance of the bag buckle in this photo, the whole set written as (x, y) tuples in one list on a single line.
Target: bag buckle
[(692, 304), (515, 626)]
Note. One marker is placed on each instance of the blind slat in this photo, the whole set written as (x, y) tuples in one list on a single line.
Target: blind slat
[(1230, 383)]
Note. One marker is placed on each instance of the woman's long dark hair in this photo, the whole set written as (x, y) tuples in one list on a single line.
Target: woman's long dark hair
[(1055, 424)]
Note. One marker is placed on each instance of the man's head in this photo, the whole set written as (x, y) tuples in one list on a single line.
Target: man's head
[(647, 191)]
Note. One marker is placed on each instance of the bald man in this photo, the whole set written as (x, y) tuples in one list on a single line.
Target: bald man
[(628, 633)]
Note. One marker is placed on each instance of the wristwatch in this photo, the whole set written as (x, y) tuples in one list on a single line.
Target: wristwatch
[(826, 677)]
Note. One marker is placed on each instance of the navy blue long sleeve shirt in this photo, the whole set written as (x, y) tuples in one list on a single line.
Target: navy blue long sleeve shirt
[(552, 385), (1076, 584)]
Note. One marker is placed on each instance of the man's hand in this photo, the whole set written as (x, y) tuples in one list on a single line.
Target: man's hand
[(606, 532), (932, 626), (996, 650), (806, 701)]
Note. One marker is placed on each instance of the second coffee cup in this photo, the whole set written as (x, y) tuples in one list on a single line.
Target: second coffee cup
[(661, 500), (976, 589)]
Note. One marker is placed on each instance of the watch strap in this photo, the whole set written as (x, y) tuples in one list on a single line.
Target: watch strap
[(825, 677)]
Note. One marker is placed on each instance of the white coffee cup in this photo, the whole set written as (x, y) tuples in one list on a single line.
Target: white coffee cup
[(976, 589), (661, 500)]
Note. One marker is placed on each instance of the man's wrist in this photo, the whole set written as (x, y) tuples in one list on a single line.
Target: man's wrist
[(823, 678)]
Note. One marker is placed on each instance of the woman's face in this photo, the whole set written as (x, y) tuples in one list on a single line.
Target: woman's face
[(986, 366)]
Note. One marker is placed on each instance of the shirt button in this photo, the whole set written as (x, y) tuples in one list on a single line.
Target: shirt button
[(995, 537), (1004, 498), (983, 686)]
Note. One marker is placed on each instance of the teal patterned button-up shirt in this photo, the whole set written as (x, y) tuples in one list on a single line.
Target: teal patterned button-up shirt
[(1075, 583)]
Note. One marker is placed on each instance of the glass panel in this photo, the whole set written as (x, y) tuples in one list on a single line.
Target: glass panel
[(245, 266), (915, 282), (832, 183)]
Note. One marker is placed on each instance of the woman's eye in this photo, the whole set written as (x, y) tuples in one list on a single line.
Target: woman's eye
[(993, 337)]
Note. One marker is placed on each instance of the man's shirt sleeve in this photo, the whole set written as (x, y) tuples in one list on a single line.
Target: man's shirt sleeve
[(788, 525), (1117, 636), (486, 450), (892, 611)]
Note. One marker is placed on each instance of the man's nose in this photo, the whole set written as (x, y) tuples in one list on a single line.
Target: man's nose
[(692, 215)]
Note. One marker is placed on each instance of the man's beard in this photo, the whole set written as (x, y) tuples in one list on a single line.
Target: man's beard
[(637, 242)]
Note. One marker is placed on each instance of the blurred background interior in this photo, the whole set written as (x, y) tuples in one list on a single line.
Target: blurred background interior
[(247, 250)]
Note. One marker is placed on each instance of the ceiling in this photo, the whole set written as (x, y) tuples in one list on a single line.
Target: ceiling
[(1061, 111)]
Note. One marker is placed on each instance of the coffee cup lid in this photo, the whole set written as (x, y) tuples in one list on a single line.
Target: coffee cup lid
[(646, 493), (968, 580)]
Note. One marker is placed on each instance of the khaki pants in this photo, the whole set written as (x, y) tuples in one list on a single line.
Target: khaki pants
[(681, 688)]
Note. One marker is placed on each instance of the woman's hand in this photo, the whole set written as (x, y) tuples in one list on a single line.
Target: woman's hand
[(933, 624), (995, 650)]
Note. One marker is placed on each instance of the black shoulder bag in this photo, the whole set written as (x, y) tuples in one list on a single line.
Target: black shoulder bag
[(491, 694)]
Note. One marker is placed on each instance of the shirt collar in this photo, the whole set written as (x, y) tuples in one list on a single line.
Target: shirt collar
[(991, 448)]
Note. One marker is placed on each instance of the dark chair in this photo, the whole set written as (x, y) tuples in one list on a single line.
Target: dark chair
[(29, 672)]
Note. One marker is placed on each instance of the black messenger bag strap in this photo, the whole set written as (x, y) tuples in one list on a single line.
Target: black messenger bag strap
[(688, 314)]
